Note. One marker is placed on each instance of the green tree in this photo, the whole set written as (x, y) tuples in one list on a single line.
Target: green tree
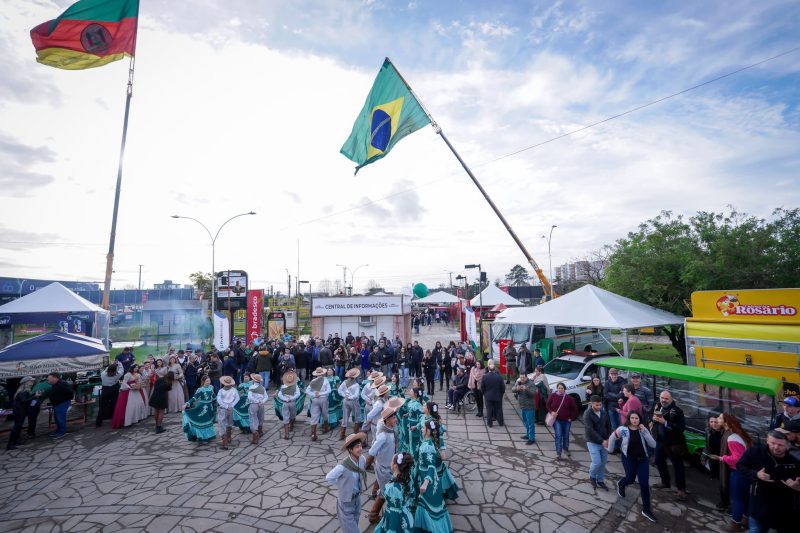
[(518, 276), (668, 258), (202, 283)]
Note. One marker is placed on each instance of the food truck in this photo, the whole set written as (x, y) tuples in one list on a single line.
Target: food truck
[(754, 332)]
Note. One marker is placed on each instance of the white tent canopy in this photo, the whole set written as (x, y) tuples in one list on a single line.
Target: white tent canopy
[(439, 297), (592, 307), (493, 295), (54, 298)]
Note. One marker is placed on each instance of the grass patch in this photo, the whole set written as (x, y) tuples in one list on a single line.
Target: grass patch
[(665, 353), (140, 353)]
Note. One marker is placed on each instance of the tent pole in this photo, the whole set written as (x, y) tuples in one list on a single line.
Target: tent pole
[(625, 343)]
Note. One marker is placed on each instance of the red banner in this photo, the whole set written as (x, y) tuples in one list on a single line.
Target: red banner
[(255, 305), (503, 344)]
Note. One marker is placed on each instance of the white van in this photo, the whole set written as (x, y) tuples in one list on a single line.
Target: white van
[(533, 333)]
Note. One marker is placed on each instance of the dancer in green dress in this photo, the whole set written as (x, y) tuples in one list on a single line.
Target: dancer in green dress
[(200, 412), (449, 485), (411, 420), (334, 399), (241, 411), (395, 391), (431, 515), (397, 516)]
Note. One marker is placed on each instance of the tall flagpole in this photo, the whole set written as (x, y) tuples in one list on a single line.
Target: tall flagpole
[(546, 285), (113, 237)]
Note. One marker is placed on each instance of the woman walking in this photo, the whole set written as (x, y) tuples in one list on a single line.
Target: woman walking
[(334, 398), (397, 515), (733, 444), (563, 410), (159, 399), (431, 514), (635, 441), (448, 485), (542, 393), (200, 412), (410, 418), (474, 384)]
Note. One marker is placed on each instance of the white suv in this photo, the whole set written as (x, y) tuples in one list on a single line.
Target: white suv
[(575, 371)]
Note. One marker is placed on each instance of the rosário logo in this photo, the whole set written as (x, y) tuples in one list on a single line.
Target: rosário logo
[(730, 305)]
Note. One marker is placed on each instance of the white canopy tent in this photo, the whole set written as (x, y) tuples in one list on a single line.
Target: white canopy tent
[(493, 295), (439, 297), (56, 304), (592, 307)]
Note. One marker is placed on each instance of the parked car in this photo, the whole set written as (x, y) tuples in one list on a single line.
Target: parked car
[(574, 370)]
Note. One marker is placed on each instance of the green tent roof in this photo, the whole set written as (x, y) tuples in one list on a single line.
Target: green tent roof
[(720, 378)]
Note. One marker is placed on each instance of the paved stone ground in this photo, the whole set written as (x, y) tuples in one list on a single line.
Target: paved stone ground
[(134, 480)]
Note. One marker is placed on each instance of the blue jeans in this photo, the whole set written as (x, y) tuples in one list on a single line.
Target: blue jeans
[(60, 416), (739, 490), (638, 468), (562, 435), (387, 371), (403, 377), (242, 368), (599, 455), (529, 419), (265, 378), (339, 369), (215, 383), (614, 417)]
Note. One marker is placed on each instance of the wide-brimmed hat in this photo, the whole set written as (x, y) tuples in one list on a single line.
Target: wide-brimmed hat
[(352, 373), (375, 375), (26, 379), (387, 412), (289, 378), (256, 378), (381, 390), (319, 372), (395, 403), (227, 381), (352, 438), (378, 382)]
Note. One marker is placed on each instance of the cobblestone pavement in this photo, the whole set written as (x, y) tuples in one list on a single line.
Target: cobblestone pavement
[(134, 480)]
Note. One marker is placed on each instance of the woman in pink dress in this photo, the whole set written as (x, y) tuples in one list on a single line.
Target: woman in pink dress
[(118, 420)]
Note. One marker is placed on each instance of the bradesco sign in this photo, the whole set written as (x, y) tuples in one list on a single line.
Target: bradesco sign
[(357, 306), (767, 306)]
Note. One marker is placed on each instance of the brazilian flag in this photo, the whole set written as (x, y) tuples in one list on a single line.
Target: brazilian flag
[(390, 113)]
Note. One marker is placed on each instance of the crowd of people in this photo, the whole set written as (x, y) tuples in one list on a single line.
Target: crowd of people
[(379, 393)]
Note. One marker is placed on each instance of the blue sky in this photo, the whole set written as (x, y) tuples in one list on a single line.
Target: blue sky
[(227, 93)]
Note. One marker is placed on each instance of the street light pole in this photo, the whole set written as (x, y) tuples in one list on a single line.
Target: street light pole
[(480, 303), (213, 253), (352, 276), (550, 257)]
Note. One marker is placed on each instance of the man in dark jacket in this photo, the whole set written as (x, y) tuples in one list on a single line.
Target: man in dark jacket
[(457, 390), (416, 359), (326, 357), (526, 394), (60, 397), (214, 369), (230, 367), (775, 485), (597, 429), (668, 427), (524, 360), (240, 357), (538, 360), (612, 393), (493, 390)]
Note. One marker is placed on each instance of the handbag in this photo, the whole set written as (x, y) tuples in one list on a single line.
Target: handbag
[(550, 419)]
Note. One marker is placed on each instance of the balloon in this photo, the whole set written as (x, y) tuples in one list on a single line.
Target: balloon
[(420, 290)]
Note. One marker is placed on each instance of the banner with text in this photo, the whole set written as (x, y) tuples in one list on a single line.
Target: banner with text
[(222, 334), (255, 306), (358, 306)]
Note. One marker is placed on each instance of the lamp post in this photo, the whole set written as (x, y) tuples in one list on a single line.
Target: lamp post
[(462, 327), (352, 276), (550, 257), (480, 303), (213, 253)]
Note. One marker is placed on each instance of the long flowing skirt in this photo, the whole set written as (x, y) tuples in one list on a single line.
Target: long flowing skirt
[(241, 415), (136, 410), (198, 422), (278, 404), (118, 420), (175, 398), (397, 518)]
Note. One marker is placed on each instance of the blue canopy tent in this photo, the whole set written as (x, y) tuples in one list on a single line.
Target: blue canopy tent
[(52, 352)]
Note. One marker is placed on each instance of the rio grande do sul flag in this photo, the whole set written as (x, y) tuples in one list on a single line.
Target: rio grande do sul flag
[(90, 33), (390, 113)]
